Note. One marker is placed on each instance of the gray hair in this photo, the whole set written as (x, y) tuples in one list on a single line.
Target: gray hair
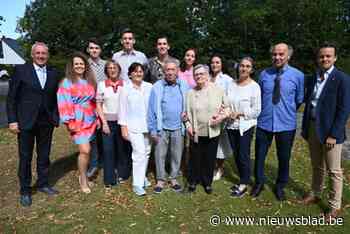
[(38, 43), (199, 66), (171, 60), (290, 49)]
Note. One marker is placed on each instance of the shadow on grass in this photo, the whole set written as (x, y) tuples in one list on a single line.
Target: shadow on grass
[(271, 171), (59, 168), (62, 166)]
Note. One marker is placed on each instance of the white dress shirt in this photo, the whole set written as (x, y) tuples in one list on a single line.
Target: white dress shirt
[(41, 74), (320, 85)]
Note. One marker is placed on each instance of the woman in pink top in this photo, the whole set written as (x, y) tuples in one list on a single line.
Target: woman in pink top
[(186, 67)]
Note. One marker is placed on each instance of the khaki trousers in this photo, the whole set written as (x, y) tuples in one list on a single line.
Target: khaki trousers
[(322, 160)]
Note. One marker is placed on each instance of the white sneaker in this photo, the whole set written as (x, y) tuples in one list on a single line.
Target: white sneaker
[(217, 175), (147, 183)]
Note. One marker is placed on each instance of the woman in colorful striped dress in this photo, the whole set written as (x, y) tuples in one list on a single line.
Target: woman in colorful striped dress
[(77, 109)]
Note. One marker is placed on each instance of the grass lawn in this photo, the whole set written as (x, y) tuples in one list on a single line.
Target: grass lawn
[(120, 211)]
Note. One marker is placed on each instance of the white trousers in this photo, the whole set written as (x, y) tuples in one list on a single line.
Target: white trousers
[(141, 149)]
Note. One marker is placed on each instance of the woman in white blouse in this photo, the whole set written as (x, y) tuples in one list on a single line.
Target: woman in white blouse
[(133, 120), (244, 97), (223, 81)]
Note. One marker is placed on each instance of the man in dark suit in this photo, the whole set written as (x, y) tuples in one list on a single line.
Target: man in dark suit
[(327, 107), (32, 115)]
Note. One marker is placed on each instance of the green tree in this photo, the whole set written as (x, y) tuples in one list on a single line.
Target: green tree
[(231, 28)]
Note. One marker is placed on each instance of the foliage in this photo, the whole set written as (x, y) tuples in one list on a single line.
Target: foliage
[(230, 27)]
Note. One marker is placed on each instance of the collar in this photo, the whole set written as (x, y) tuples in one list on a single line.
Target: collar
[(38, 68), (165, 83), (115, 85), (282, 70), (132, 52), (327, 72), (218, 76), (165, 59), (92, 62)]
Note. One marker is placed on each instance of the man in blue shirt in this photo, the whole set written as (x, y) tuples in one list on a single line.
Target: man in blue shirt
[(282, 92), (165, 111)]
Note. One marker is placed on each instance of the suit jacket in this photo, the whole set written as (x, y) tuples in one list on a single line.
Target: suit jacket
[(332, 109), (26, 97)]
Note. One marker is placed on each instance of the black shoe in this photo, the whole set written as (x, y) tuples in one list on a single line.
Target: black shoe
[(257, 189), (48, 190), (239, 193), (25, 200), (191, 188), (234, 187), (177, 188), (280, 195), (158, 189), (208, 189)]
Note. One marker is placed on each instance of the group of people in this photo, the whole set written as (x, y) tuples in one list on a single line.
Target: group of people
[(196, 115)]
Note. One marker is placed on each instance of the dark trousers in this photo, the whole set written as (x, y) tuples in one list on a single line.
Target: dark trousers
[(121, 149), (41, 134), (241, 150), (96, 155), (284, 143), (202, 161), (114, 153)]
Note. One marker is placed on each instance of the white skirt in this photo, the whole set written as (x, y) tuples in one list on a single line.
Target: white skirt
[(224, 147)]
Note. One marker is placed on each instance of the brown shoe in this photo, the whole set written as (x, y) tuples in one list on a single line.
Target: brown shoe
[(310, 199), (331, 214)]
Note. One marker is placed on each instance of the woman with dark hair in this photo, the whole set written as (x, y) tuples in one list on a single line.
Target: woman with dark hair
[(107, 98), (186, 67), (244, 98), (133, 106), (223, 81), (76, 105)]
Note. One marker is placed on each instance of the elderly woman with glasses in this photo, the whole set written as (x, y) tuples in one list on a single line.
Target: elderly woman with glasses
[(206, 108)]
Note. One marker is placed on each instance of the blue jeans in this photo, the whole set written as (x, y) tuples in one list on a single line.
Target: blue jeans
[(96, 155), (241, 149), (284, 143), (112, 149)]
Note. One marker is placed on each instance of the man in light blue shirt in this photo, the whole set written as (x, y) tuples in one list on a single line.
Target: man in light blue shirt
[(282, 92), (165, 111), (128, 54)]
